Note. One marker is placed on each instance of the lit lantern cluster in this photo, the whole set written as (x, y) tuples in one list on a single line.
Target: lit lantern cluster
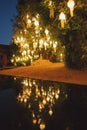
[(62, 16), (37, 98), (31, 43)]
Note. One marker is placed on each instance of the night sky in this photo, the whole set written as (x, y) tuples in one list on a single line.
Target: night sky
[(7, 12)]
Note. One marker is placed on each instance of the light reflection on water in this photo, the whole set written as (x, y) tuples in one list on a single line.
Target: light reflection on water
[(40, 97), (45, 105)]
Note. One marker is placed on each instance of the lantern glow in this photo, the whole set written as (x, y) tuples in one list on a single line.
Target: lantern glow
[(71, 4), (62, 19)]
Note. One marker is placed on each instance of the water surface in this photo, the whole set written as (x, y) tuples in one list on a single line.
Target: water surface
[(30, 104)]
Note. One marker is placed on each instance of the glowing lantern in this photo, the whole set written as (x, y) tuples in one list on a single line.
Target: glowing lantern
[(41, 42), (71, 4), (37, 15), (42, 126), (25, 100), (34, 121), (45, 45), (50, 112), (62, 19), (44, 101), (54, 46), (51, 9), (36, 23), (27, 16), (56, 96), (46, 32), (61, 57), (29, 22), (39, 120), (51, 13)]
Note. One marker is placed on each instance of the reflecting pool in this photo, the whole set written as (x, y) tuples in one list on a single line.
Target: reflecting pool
[(32, 104)]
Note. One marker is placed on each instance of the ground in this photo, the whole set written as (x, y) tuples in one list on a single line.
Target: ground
[(43, 69)]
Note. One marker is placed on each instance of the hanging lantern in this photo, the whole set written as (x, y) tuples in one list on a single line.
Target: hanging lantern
[(51, 12), (42, 126), (34, 121), (62, 19), (29, 23), (54, 46), (50, 112), (71, 4), (51, 6), (46, 32), (36, 23)]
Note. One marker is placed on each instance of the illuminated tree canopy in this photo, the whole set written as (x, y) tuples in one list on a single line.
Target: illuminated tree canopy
[(56, 29)]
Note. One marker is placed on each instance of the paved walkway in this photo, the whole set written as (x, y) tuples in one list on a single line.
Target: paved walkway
[(49, 71)]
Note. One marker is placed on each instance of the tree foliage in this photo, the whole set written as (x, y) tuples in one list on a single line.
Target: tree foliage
[(74, 34), (32, 34)]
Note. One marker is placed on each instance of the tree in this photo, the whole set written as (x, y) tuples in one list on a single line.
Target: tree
[(70, 33), (73, 33), (32, 36)]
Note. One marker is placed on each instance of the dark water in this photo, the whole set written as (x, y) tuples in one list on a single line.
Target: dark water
[(29, 104)]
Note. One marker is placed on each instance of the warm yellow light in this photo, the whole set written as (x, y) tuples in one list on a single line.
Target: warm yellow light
[(28, 52), (54, 46), (40, 106), (50, 112), (32, 52), (48, 99), (23, 53), (51, 6), (42, 126), (51, 43), (27, 16), (29, 22), (41, 41), (33, 115), (37, 31), (12, 60), (56, 96), (18, 38), (37, 15), (51, 13), (48, 38), (34, 46), (61, 57), (30, 84), (39, 120), (21, 38), (58, 91), (25, 30), (13, 55), (34, 83), (44, 101), (26, 45), (25, 100), (34, 121), (36, 23), (50, 3), (46, 31), (62, 18), (18, 59), (26, 84), (61, 54), (45, 44), (71, 5)]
